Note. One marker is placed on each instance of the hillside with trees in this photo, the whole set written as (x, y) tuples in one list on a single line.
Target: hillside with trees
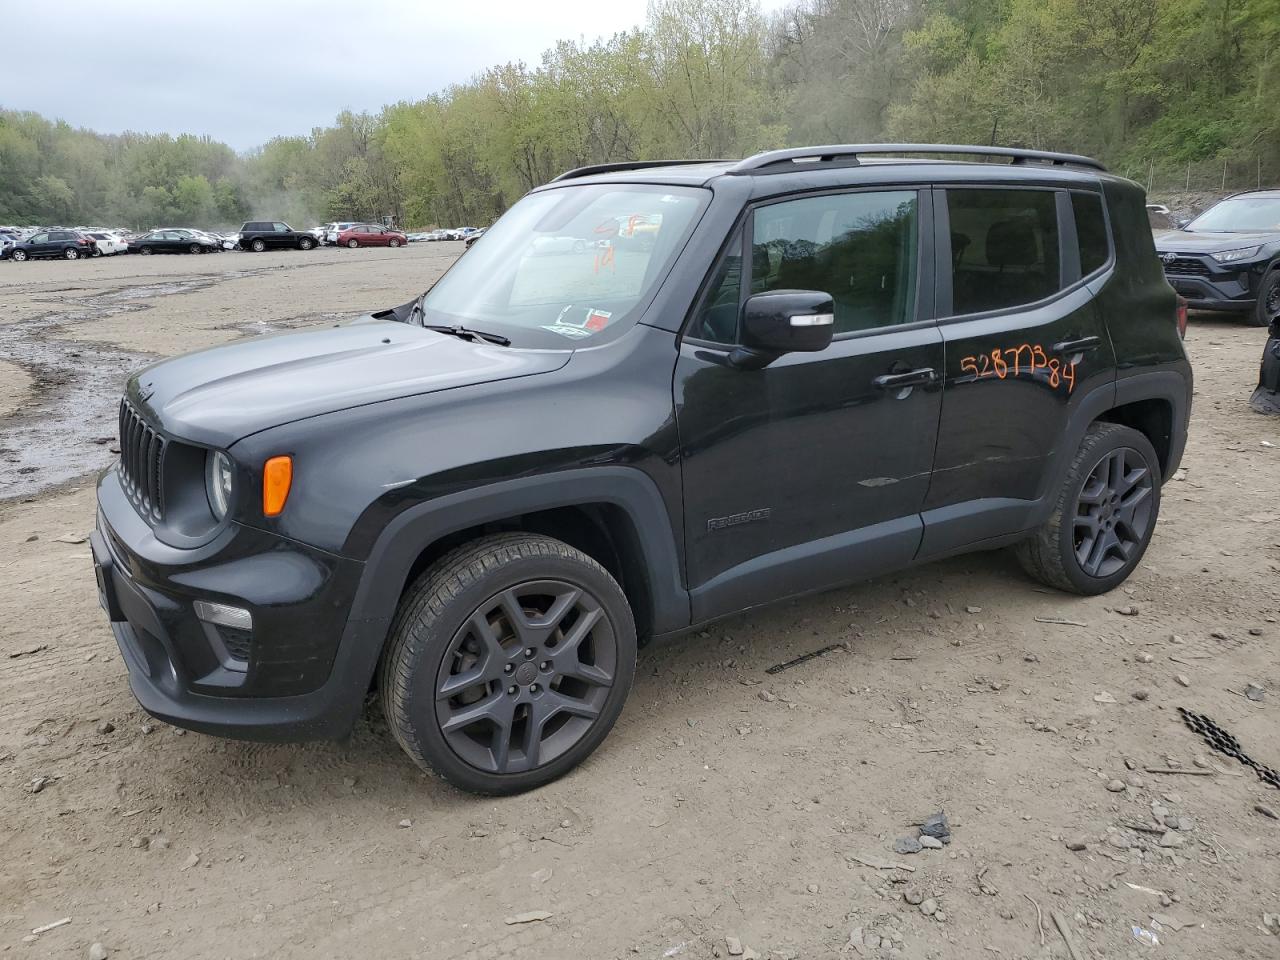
[(1170, 92)]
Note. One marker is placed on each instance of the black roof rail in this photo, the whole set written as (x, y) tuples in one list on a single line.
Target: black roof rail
[(627, 165), (849, 152)]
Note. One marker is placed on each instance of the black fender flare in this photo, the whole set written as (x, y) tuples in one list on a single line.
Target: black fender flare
[(411, 531)]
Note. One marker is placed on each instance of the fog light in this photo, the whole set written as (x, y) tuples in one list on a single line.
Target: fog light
[(224, 615)]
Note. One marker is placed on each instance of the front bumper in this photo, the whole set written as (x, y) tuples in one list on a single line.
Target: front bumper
[(300, 673), (1209, 285)]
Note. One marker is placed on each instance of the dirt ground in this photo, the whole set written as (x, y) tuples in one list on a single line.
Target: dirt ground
[(728, 802)]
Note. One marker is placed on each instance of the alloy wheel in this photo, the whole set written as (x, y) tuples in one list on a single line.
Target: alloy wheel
[(526, 676), (1113, 513)]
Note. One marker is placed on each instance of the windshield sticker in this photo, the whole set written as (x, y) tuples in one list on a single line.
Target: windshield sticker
[(592, 322)]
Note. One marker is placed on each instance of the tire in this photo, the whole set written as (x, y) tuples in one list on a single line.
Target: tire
[(71, 253), (353, 243), (305, 244), (1267, 310), (96, 252), (18, 256), (393, 243), (194, 248), (563, 716), (1111, 493), (145, 251), (257, 246)]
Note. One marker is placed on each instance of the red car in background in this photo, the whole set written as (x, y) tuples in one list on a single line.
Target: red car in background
[(370, 235)]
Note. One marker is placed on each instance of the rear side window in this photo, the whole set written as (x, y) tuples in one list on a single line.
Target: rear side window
[(1004, 248), (1091, 231)]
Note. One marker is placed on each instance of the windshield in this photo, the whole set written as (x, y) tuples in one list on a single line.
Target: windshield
[(564, 266), (1240, 214)]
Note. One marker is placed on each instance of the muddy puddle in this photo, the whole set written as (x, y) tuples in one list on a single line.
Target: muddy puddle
[(67, 430)]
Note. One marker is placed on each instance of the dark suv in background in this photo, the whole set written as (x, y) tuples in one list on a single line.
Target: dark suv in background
[(1228, 258), (50, 244), (260, 235), (821, 365)]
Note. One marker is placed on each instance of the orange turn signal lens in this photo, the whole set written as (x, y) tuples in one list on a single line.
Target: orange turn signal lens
[(277, 477)]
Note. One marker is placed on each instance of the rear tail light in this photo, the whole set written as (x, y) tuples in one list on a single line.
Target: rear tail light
[(1182, 318)]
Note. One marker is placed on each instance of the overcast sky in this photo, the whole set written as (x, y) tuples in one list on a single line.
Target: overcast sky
[(243, 71)]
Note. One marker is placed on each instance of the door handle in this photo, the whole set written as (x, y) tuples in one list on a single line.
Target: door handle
[(1083, 345), (908, 378)]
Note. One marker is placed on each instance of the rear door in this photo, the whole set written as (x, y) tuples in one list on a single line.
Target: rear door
[(1025, 343), (811, 472)]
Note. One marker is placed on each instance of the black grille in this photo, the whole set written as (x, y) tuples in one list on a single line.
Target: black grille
[(141, 455), (239, 643), (1186, 267)]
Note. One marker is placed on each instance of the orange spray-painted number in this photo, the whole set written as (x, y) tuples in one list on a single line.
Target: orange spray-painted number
[(1025, 358)]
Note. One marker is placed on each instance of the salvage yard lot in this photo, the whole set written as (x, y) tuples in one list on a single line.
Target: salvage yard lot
[(728, 802)]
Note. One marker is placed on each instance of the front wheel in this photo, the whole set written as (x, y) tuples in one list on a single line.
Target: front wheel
[(1104, 516), (306, 244), (393, 243), (1267, 310), (18, 255), (509, 661), (194, 248)]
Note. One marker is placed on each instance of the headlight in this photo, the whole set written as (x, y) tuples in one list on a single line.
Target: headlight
[(219, 481), (1230, 256)]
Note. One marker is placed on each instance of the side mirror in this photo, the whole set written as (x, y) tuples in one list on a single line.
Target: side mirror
[(784, 321)]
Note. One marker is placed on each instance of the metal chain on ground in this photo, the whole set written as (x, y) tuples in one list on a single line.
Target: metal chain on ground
[(1223, 742)]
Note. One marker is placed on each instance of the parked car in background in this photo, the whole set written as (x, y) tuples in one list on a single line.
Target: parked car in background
[(1228, 258), (7, 241), (333, 229), (47, 244), (260, 235), (173, 241), (370, 235), (107, 244), (474, 236)]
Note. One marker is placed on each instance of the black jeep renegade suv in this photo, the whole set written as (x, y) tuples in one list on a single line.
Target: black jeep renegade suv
[(651, 395)]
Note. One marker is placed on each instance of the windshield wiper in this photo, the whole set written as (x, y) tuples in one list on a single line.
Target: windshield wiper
[(468, 334)]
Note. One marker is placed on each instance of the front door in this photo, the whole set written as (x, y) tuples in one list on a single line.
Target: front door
[(811, 472), (1025, 345)]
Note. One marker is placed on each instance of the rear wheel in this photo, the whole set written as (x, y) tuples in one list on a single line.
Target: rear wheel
[(145, 251), (71, 253), (353, 243), (1104, 517), (258, 246), (508, 663), (1267, 310)]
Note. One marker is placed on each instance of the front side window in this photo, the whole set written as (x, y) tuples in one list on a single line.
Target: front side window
[(565, 265), (39, 238), (1004, 248), (280, 227), (861, 248)]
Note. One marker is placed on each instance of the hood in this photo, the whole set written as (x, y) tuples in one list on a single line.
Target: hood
[(221, 395), (1192, 241)]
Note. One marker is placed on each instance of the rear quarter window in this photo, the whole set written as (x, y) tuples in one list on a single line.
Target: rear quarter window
[(1091, 231)]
